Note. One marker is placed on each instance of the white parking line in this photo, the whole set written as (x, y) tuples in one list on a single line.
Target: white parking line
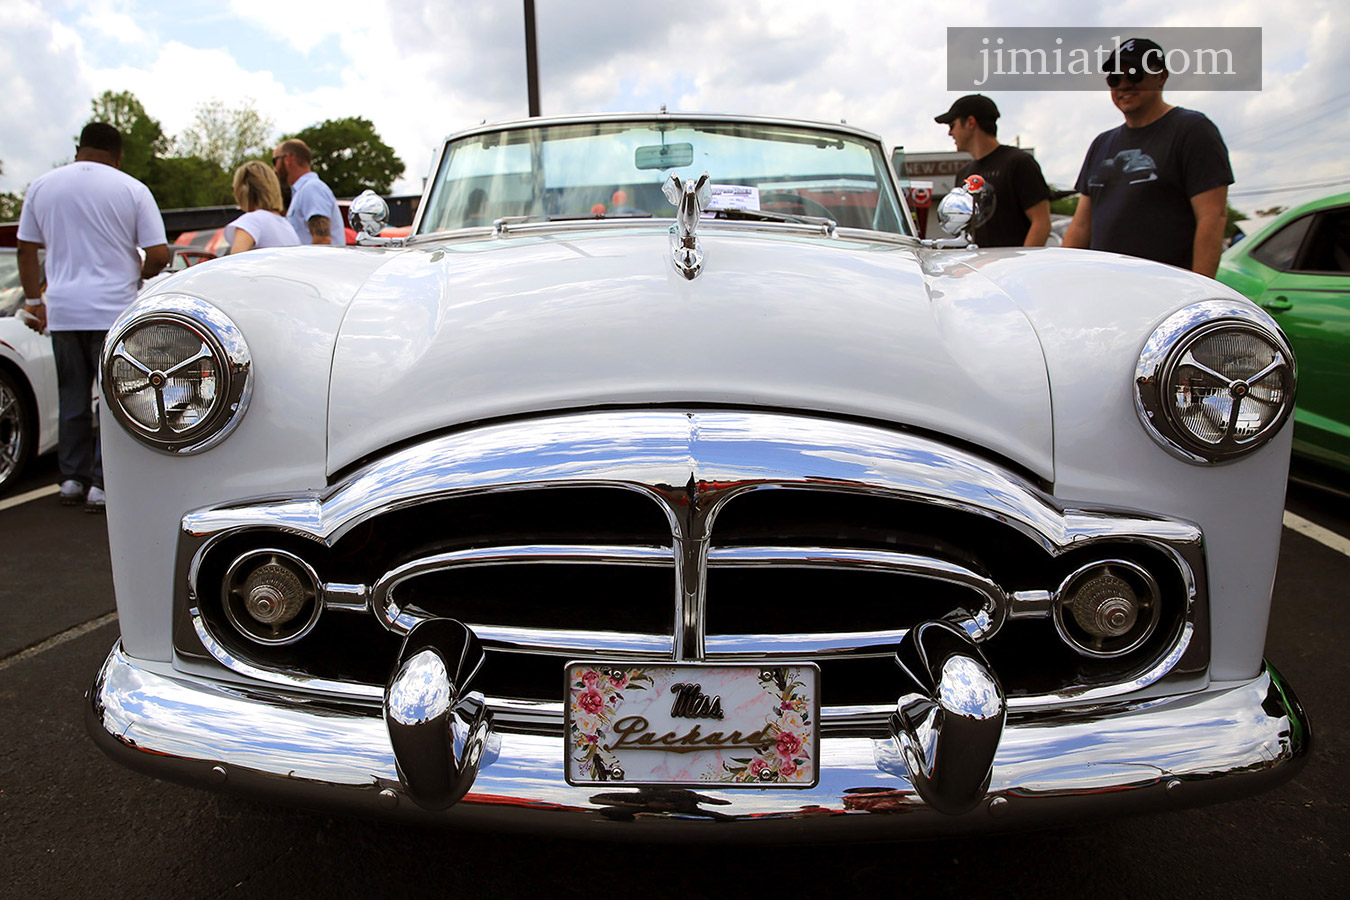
[(1317, 533), (31, 495), (69, 634)]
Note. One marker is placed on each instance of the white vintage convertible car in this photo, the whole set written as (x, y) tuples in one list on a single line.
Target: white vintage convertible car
[(663, 480)]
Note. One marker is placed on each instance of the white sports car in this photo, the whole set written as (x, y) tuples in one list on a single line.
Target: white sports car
[(29, 407), (27, 381), (661, 478)]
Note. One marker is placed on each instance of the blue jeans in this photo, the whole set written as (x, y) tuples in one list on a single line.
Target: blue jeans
[(78, 453)]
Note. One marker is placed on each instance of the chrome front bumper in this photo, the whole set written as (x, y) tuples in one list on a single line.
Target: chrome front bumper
[(1050, 767)]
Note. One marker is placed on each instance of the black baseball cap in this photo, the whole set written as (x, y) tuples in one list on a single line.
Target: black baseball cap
[(977, 105), (1137, 54)]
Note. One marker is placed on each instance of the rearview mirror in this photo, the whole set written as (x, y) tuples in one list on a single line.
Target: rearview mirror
[(664, 156)]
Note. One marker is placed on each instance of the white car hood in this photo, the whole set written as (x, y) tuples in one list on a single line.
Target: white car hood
[(465, 331)]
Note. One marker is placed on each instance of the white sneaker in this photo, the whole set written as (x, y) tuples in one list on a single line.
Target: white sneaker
[(72, 492), (96, 502)]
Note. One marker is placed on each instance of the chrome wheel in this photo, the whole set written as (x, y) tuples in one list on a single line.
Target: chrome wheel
[(16, 431)]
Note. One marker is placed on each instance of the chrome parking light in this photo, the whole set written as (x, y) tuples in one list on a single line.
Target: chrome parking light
[(271, 596), (1107, 608)]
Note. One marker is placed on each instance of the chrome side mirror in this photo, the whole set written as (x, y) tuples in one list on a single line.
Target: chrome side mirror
[(955, 212), (368, 214), (968, 206)]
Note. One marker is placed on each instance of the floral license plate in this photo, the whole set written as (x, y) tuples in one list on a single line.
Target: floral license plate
[(693, 724)]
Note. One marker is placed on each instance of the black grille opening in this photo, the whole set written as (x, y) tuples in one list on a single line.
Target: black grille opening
[(776, 600), (505, 518), (866, 681), (523, 676), (572, 596), (801, 517)]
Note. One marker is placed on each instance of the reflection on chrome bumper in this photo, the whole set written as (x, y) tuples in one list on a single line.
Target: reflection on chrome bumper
[(1050, 767)]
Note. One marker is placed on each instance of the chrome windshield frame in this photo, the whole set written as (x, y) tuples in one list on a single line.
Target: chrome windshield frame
[(886, 179)]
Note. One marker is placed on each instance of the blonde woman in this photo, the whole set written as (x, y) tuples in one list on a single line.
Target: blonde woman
[(258, 194)]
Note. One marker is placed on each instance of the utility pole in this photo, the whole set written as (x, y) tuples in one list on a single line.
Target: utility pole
[(531, 58)]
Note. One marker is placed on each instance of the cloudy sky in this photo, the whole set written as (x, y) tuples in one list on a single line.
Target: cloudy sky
[(420, 70)]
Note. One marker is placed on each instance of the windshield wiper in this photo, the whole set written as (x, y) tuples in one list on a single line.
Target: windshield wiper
[(582, 217), (765, 215), (507, 223)]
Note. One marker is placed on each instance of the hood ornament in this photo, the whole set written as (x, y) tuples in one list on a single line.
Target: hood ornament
[(690, 198)]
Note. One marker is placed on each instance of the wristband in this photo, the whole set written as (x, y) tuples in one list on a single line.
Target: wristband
[(29, 301)]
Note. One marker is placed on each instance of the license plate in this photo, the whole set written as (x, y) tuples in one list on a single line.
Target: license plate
[(693, 724)]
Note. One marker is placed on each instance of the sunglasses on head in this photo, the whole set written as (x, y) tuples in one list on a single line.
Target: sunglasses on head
[(1133, 76)]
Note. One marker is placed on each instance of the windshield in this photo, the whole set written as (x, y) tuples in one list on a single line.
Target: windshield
[(617, 169)]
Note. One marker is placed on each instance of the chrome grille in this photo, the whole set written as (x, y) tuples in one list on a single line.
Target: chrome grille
[(712, 535)]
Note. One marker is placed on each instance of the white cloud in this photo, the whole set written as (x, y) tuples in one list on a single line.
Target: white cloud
[(419, 70), (112, 21)]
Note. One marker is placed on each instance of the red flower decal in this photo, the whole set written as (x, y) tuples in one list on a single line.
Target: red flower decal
[(591, 701)]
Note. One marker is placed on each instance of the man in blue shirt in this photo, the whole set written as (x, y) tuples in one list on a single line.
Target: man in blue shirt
[(313, 212)]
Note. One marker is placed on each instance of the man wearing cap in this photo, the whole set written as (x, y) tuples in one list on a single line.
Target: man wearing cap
[(1156, 186), (1021, 216)]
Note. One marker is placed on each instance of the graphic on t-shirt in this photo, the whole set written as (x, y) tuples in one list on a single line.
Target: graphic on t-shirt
[(1129, 166)]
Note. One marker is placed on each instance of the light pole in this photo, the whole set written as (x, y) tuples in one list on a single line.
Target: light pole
[(531, 58)]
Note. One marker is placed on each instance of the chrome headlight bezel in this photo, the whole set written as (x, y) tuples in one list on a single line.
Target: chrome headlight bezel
[(220, 339), (1168, 347)]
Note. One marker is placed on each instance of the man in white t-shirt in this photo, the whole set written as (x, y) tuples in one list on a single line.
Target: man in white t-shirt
[(91, 217), (314, 212)]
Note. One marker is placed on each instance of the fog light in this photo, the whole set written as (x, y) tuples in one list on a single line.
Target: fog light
[(1107, 608), (271, 596)]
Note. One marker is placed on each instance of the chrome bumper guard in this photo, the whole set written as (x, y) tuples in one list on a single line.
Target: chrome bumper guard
[(955, 762)]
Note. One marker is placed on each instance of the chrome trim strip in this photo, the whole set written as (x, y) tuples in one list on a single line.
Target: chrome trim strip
[(561, 642), (518, 226), (346, 597), (691, 465), (663, 117), (285, 679), (746, 647), (1216, 744)]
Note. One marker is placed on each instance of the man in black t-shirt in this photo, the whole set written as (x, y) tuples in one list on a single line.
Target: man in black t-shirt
[(1021, 216), (1157, 186)]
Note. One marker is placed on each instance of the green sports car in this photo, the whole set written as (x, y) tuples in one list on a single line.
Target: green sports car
[(1298, 268)]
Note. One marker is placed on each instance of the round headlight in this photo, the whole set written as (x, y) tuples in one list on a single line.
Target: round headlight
[(176, 374), (1215, 381)]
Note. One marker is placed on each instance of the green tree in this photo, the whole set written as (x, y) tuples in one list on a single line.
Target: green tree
[(10, 203), (182, 182), (143, 138), (350, 157), (1063, 206), (226, 137)]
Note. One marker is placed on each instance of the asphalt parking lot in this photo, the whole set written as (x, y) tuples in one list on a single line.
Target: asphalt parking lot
[(74, 824)]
